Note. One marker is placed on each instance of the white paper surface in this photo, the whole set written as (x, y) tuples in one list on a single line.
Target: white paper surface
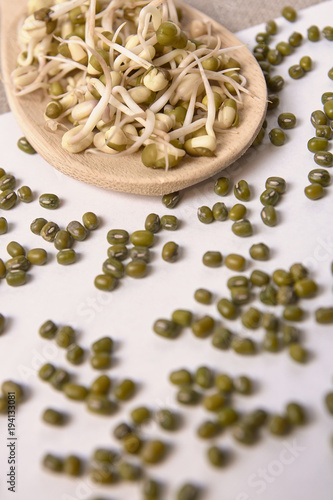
[(297, 467)]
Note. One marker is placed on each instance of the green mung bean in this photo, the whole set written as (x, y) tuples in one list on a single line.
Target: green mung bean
[(203, 326), (235, 262), (305, 288), (227, 416), (19, 263), (313, 33), (242, 228), (105, 282), (113, 267), (66, 257), (7, 199), (259, 251), (53, 463), (37, 225), (278, 425), (277, 136), (221, 338), (290, 334), (101, 361), (298, 353), (222, 186), (212, 259), (90, 221), (274, 57), (213, 402), (115, 236), (320, 176), (142, 238), (16, 278), (242, 191), (237, 212), (204, 377), (50, 201), (9, 386), (316, 144), (244, 434), (244, 346), (3, 225), (59, 378), (124, 390), (203, 296), (25, 146), (118, 251), (289, 13), (306, 63), (328, 33), (102, 405), (216, 456), (298, 271), (46, 371), (293, 313), (268, 216), (188, 492), (295, 413), (205, 215), (243, 385), (284, 48), (269, 197), (170, 251), (314, 191), (169, 222), (75, 354), (251, 318), (37, 256), (220, 211), (166, 328), (240, 295), (324, 158), (48, 330), (295, 39), (153, 223), (208, 429), (286, 121), (187, 396), (171, 200), (15, 249), (328, 108), (7, 182), (324, 131), (282, 277), (324, 315), (73, 465), (49, 231), (140, 415), (53, 417), (151, 490), (182, 317), (25, 194), (259, 278), (101, 385)]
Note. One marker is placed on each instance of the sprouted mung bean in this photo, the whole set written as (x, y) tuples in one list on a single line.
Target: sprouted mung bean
[(125, 85)]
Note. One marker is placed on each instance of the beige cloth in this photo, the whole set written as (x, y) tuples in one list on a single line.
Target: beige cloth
[(233, 14)]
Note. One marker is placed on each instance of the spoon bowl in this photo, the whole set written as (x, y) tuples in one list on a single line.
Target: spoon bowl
[(127, 173)]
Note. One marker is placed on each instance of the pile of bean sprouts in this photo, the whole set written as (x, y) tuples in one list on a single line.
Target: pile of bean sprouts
[(114, 88)]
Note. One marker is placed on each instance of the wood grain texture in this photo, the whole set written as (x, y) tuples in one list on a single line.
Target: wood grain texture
[(128, 174)]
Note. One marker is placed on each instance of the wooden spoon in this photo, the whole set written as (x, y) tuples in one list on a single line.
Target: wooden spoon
[(128, 174)]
